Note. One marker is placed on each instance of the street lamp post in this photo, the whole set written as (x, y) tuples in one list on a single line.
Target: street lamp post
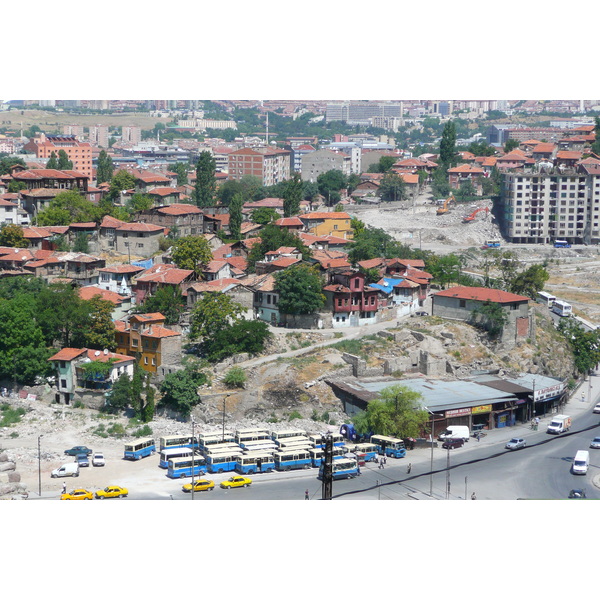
[(224, 404), (39, 468)]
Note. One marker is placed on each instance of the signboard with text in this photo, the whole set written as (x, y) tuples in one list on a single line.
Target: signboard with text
[(458, 412), (477, 410)]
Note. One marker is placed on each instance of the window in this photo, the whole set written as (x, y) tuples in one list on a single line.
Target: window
[(63, 383), (462, 303)]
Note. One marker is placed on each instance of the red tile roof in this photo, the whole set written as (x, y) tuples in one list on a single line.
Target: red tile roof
[(169, 274), (325, 215), (67, 354), (482, 294), (90, 291)]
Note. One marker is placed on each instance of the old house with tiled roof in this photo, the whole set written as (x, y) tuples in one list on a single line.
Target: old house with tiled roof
[(328, 223), (236, 289), (158, 347), (122, 303), (160, 275), (467, 172), (186, 219), (459, 303)]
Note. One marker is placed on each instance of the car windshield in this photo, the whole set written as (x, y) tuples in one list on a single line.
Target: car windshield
[(513, 441)]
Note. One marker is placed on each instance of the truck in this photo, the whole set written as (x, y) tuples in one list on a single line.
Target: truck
[(68, 470), (460, 432), (559, 424)]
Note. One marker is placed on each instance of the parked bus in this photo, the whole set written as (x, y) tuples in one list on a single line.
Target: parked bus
[(316, 455), (258, 462), (177, 441), (563, 309), (561, 244), (294, 442), (226, 447), (389, 446), (209, 439), (493, 243), (183, 467), (171, 454), (259, 445), (345, 468), (280, 436), (243, 436), (317, 439), (369, 450), (292, 459), (546, 298), (220, 462), (139, 449)]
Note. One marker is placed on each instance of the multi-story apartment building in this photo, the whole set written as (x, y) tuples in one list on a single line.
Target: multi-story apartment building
[(98, 135), (131, 134), (361, 113), (270, 165), (79, 153), (318, 162), (76, 130), (542, 207)]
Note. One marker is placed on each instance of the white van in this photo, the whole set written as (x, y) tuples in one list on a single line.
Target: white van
[(68, 470), (455, 432), (581, 462)]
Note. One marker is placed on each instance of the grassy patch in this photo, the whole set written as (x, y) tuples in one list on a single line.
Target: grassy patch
[(9, 415)]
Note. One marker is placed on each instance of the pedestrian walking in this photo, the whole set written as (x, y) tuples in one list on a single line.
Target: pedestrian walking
[(306, 496), (478, 436), (384, 459), (409, 468), (473, 496), (64, 488), (381, 463)]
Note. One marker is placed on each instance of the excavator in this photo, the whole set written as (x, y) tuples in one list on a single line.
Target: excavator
[(471, 217), (442, 210)]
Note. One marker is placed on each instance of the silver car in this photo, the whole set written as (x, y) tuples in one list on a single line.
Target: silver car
[(595, 443), (515, 444)]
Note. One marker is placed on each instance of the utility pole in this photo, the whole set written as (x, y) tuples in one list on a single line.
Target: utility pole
[(39, 468), (193, 456), (327, 480)]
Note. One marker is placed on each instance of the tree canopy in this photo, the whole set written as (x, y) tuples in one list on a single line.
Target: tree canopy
[(205, 180), (300, 290), (192, 253)]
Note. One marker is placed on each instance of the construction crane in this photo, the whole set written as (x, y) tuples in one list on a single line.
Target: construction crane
[(471, 217), (444, 209)]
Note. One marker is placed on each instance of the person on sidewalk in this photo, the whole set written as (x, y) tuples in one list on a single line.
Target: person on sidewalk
[(473, 496), (306, 496), (64, 488)]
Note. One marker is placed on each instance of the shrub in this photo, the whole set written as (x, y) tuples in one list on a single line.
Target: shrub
[(144, 431), (10, 416), (235, 377), (294, 415)]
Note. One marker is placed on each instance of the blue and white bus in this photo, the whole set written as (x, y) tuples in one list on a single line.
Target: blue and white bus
[(183, 467), (316, 455), (139, 449), (561, 244), (280, 436), (294, 444), (389, 446), (172, 453), (221, 462), (292, 459), (257, 462), (546, 298), (317, 439), (260, 446), (245, 436), (205, 440), (562, 309), (345, 468), (369, 450), (226, 447), (177, 441)]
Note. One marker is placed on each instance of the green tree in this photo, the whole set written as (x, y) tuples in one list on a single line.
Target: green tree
[(271, 238), (137, 390), (292, 196), (264, 215), (64, 164), (7, 162), (139, 202), (105, 169), (11, 235), (122, 180), (150, 403), (14, 186), (445, 269), (236, 217), (585, 345), (213, 312), (23, 351), (167, 300), (180, 390), (300, 290), (448, 144), (439, 183), (530, 282), (69, 207), (330, 183), (118, 397), (242, 336), (392, 188), (489, 316), (395, 413), (510, 144), (81, 243), (52, 161), (100, 333), (182, 172), (205, 180), (191, 253), (596, 145)]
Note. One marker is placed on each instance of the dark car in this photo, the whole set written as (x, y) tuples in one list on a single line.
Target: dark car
[(82, 460), (75, 450), (453, 443), (577, 494)]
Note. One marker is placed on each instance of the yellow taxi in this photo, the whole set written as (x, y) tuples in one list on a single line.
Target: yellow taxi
[(77, 495), (234, 482), (112, 491), (199, 486)]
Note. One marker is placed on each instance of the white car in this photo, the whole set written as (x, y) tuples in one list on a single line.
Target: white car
[(597, 408), (595, 443), (515, 444), (98, 459)]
